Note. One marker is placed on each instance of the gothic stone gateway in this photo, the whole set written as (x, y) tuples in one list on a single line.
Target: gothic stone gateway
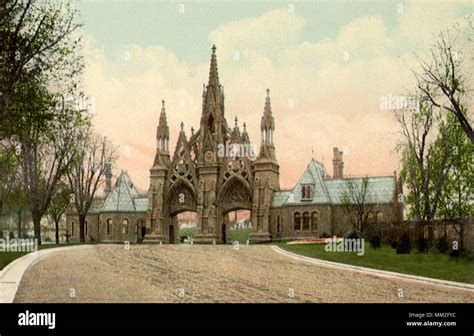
[(199, 178), (204, 178)]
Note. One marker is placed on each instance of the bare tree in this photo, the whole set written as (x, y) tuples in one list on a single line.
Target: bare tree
[(86, 173), (58, 206), (441, 80), (356, 197), (426, 149)]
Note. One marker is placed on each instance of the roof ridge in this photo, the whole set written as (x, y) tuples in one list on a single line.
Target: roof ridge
[(128, 188)]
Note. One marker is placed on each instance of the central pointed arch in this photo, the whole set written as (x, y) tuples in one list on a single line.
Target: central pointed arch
[(181, 197), (235, 194)]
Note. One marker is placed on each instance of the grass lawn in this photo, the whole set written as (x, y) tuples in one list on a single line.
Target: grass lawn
[(431, 264), (8, 257)]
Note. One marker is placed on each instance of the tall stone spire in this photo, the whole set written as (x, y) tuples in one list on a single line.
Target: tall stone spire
[(213, 124), (162, 131), (245, 135), (267, 123), (213, 74)]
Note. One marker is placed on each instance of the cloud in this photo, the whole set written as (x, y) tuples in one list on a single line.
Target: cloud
[(324, 93), (272, 30)]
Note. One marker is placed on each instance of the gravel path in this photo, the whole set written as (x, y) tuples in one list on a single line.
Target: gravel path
[(210, 273)]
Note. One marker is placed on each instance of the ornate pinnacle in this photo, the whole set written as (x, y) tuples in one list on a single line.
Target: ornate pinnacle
[(213, 75)]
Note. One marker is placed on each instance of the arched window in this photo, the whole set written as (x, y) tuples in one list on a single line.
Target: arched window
[(380, 218), (297, 221), (370, 217), (278, 224), (315, 221), (86, 228), (109, 226), (125, 226), (306, 221), (72, 228)]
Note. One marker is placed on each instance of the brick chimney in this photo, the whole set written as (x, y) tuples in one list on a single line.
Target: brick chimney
[(108, 178), (337, 164)]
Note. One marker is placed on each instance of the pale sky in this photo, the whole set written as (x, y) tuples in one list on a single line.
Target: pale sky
[(327, 64)]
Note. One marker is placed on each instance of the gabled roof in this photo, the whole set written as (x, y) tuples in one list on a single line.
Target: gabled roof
[(280, 197), (313, 175), (96, 205), (330, 191), (380, 189), (124, 197)]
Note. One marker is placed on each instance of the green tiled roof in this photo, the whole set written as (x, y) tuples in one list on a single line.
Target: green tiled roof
[(124, 197), (330, 191), (96, 205)]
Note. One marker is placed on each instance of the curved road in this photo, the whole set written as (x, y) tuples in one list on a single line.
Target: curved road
[(211, 273)]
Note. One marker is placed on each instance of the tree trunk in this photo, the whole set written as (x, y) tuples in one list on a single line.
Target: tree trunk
[(1, 226), (56, 225), (19, 223), (37, 228), (82, 221)]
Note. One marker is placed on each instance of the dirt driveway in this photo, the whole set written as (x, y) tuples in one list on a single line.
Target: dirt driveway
[(210, 273)]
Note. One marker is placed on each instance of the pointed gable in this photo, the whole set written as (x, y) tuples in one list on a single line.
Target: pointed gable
[(122, 196), (313, 177)]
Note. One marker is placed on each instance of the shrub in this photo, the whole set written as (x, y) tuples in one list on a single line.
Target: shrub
[(421, 244), (455, 253), (375, 241), (404, 244), (442, 244), (353, 235), (394, 244), (324, 235)]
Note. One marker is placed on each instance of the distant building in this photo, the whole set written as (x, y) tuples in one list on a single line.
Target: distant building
[(315, 205), (117, 217)]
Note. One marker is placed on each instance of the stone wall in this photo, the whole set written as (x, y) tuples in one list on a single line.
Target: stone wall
[(97, 231), (333, 220), (436, 228)]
